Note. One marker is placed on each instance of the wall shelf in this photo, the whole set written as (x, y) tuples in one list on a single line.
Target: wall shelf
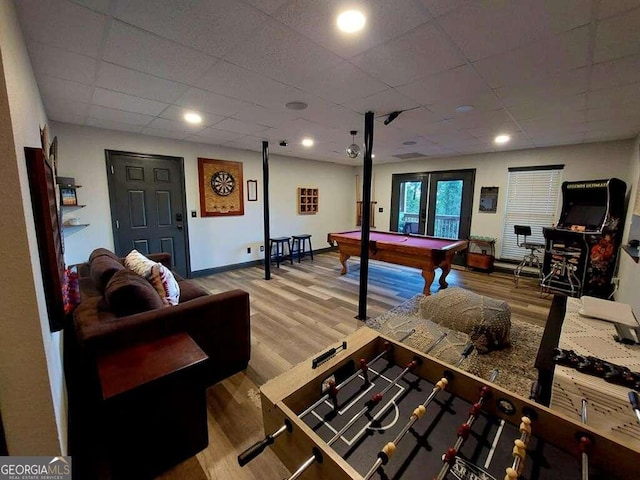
[(80, 225), (72, 207)]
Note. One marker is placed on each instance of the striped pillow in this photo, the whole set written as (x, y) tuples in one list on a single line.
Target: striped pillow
[(139, 263), (165, 284)]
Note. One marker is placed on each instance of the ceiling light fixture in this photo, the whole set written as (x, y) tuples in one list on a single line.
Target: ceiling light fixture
[(192, 117), (351, 21), (353, 150), (501, 139), (307, 142), (297, 105), (464, 108)]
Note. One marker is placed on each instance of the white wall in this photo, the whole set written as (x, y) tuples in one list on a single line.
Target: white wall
[(32, 394), (628, 270), (582, 162), (214, 241)]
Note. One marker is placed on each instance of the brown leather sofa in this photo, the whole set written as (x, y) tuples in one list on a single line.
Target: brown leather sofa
[(218, 323)]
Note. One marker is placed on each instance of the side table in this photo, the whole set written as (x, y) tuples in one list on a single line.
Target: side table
[(481, 252), (154, 405)]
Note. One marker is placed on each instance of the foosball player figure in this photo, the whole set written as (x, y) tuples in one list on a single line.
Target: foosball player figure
[(365, 371), (519, 451)]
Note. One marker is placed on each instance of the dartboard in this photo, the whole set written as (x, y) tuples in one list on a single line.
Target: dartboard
[(223, 183)]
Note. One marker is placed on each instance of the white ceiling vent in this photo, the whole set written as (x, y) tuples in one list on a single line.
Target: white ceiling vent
[(409, 156)]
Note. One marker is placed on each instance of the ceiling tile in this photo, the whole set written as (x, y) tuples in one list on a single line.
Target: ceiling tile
[(440, 7), (558, 107), (120, 116), (552, 87), (101, 6), (111, 125), (212, 27), (129, 103), (268, 6), (452, 85), (385, 21), (264, 116), (164, 133), (120, 79), (62, 63), (617, 37), (145, 52), (382, 103), (621, 95), (341, 83), (421, 52), (176, 113), (613, 112), (219, 136), (475, 119), (64, 89), (45, 21), (236, 126), (179, 128), (483, 29), (616, 72), (541, 59), (608, 9), (482, 102), (559, 126), (281, 53), (204, 101), (59, 108)]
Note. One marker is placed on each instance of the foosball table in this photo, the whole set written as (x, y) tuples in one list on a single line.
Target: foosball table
[(375, 408)]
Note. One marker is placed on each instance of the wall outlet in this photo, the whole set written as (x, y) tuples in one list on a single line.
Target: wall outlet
[(248, 249), (262, 248), (380, 209)]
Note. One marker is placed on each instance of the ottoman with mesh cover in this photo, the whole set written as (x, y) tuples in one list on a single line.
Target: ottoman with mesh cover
[(486, 320)]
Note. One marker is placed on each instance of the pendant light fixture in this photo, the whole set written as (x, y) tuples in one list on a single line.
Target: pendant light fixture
[(353, 150)]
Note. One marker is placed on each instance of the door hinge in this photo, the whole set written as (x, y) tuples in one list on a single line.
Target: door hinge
[(117, 225), (112, 170)]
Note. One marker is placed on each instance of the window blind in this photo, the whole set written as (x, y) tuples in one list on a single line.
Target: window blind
[(532, 199)]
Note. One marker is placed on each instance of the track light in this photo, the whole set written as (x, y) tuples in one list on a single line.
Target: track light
[(392, 116), (353, 150)]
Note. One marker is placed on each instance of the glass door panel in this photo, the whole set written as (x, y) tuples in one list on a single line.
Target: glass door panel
[(448, 207), (408, 203)]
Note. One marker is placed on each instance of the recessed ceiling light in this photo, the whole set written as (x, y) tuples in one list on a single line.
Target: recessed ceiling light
[(192, 117), (464, 108), (296, 105), (501, 139), (307, 142), (351, 21), (373, 155), (409, 142)]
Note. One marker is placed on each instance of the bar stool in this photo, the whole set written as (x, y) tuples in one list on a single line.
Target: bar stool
[(299, 245), (532, 258), (279, 255)]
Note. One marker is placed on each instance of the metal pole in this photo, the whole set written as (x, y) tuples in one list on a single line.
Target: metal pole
[(265, 208), (366, 215)]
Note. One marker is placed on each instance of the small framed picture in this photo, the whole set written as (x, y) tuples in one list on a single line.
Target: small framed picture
[(252, 190), (68, 196)]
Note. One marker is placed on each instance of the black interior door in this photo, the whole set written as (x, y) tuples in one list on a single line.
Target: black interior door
[(450, 204), (148, 205)]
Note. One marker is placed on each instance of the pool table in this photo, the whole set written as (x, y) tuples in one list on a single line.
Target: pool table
[(425, 253)]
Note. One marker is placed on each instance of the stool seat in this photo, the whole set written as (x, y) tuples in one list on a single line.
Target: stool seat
[(300, 242), (278, 244)]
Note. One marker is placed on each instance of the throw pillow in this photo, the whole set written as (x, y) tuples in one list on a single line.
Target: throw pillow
[(102, 268), (165, 284), (139, 263), (127, 293)]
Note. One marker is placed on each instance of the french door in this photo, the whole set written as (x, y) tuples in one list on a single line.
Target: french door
[(437, 204)]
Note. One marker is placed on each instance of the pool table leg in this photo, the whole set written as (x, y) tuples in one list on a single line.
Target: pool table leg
[(343, 260), (446, 268), (428, 274)]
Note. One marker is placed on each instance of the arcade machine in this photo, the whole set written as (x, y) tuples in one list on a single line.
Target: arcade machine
[(581, 251)]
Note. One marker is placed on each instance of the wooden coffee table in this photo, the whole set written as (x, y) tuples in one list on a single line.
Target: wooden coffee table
[(154, 405)]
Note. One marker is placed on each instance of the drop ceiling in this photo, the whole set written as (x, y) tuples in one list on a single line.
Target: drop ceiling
[(547, 72)]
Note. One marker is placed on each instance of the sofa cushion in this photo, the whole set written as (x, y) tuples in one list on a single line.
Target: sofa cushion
[(190, 290), (102, 268), (98, 252), (139, 263), (127, 293), (165, 284)]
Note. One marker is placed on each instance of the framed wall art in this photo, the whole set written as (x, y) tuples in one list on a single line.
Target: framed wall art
[(221, 187), (252, 190), (489, 199)]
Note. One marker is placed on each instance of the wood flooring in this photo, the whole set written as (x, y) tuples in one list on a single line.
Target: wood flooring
[(306, 308)]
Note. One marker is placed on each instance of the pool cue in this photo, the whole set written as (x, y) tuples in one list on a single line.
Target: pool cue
[(375, 399), (519, 451), (257, 448), (634, 399), (585, 443), (389, 449), (465, 428)]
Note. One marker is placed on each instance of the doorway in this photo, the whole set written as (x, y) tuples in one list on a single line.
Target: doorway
[(437, 204), (148, 206)]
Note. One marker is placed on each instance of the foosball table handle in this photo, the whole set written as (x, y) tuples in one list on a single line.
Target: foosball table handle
[(254, 450)]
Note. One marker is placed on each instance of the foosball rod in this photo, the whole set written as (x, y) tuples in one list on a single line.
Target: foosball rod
[(389, 449), (257, 448), (375, 399), (585, 443), (463, 431), (634, 399)]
